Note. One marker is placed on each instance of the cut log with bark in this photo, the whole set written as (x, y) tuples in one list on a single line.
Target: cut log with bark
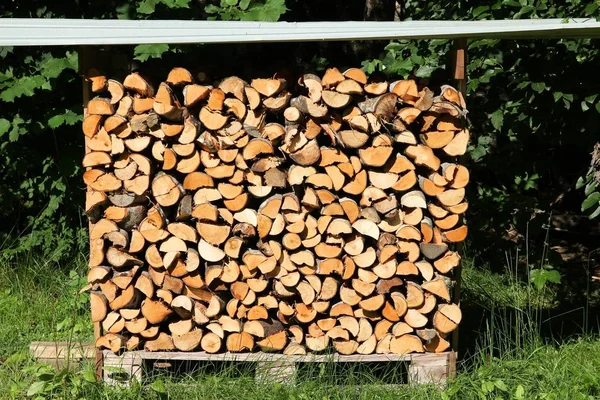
[(261, 214)]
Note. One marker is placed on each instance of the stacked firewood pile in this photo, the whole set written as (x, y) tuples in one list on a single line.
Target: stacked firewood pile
[(274, 215)]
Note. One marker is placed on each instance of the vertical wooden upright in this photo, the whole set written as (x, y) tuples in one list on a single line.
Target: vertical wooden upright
[(458, 69), (109, 62), (88, 57), (458, 60)]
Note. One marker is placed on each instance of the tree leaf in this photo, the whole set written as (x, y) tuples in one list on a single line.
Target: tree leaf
[(52, 67), (177, 3), (56, 121), (591, 8), (269, 11), (4, 126), (16, 130), (71, 118), (590, 187), (5, 50), (595, 213), (520, 392), (580, 182), (25, 86), (480, 10), (89, 375), (552, 276), (244, 4), (143, 52), (147, 6), (557, 96), (497, 119), (538, 278), (590, 201), (158, 386), (123, 11), (212, 9), (501, 385), (36, 388), (424, 71), (538, 86)]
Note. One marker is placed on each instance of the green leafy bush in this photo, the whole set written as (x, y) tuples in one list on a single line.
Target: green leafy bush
[(533, 106), (40, 114), (39, 171), (534, 109)]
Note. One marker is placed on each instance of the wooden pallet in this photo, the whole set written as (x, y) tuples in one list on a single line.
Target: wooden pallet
[(62, 354), (422, 368), (121, 369)]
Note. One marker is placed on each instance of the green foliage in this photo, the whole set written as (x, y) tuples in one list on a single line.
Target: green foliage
[(149, 6), (39, 124), (34, 294), (247, 10), (544, 275), (143, 52), (533, 107), (40, 114), (48, 381), (589, 184), (568, 371), (40, 301)]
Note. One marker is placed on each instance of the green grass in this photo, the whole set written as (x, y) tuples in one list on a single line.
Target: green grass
[(570, 371), (39, 301)]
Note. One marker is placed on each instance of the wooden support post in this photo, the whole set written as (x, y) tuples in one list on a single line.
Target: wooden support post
[(458, 64), (122, 370), (458, 70), (276, 372), (432, 368)]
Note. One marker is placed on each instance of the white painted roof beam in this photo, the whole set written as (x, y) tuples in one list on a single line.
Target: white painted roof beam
[(59, 32)]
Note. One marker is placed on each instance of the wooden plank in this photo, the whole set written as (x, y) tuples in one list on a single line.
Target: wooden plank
[(47, 31), (62, 350), (459, 67), (276, 372), (121, 369), (260, 356), (431, 368), (87, 350)]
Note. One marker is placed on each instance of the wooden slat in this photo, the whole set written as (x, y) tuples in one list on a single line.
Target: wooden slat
[(423, 368), (61, 350), (260, 356)]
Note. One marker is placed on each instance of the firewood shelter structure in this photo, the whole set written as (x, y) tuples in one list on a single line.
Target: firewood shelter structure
[(89, 35)]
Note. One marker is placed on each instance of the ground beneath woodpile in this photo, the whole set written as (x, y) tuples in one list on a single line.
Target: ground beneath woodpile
[(505, 356)]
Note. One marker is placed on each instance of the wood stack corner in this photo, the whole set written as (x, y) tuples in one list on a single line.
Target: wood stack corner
[(278, 216)]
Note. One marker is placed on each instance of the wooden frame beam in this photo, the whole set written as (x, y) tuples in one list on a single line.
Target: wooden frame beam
[(57, 32), (88, 58), (103, 59), (457, 66)]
